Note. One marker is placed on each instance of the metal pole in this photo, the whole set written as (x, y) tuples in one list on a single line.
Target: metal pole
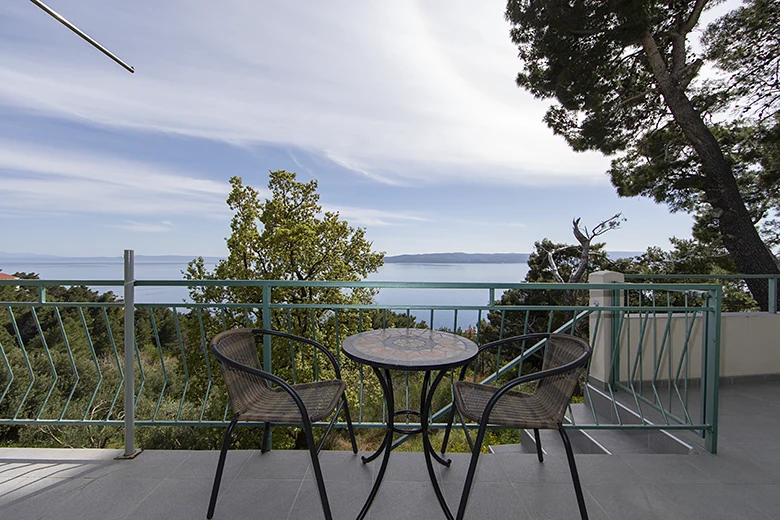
[(711, 368), (81, 33), (130, 450), (267, 438), (772, 305)]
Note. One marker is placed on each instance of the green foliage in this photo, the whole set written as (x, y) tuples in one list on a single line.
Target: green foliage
[(287, 237), (74, 356), (624, 83), (690, 257), (745, 43)]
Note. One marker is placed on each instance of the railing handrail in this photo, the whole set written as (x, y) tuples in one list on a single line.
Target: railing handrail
[(361, 284), (731, 276)]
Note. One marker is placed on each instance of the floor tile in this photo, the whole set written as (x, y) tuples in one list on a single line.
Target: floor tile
[(23, 499), (346, 498), (105, 499), (276, 465)]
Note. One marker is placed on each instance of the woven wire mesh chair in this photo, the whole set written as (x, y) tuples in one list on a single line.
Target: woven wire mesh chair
[(254, 399), (565, 360)]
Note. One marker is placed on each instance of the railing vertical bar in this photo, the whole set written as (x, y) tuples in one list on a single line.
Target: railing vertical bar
[(207, 359), (455, 321), (10, 373), (267, 353), (157, 341), (30, 371), (338, 340), (593, 336), (120, 370), (88, 409), (45, 346), (292, 348), (70, 358), (314, 338), (183, 362)]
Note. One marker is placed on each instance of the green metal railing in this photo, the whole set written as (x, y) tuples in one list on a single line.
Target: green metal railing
[(67, 363)]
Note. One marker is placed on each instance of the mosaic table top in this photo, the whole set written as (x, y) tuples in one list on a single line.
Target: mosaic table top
[(410, 349)]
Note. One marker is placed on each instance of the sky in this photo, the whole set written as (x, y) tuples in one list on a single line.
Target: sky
[(405, 112)]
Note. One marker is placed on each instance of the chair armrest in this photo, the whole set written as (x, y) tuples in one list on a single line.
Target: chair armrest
[(306, 341), (500, 342), (568, 367)]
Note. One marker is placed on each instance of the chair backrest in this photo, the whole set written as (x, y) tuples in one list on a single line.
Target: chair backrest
[(239, 345), (556, 391)]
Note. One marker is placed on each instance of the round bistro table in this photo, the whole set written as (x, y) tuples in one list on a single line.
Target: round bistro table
[(411, 350)]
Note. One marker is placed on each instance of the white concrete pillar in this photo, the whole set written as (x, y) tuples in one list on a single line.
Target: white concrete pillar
[(601, 341)]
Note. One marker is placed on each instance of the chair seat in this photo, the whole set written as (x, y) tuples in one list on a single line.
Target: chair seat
[(514, 409), (277, 406)]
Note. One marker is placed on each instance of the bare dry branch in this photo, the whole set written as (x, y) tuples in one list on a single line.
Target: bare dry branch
[(47, 431)]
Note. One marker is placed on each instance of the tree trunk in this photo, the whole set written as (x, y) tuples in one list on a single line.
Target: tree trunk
[(737, 230)]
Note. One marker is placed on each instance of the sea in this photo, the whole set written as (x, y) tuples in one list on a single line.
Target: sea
[(170, 268)]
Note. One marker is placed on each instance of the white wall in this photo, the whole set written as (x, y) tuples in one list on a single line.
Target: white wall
[(749, 343)]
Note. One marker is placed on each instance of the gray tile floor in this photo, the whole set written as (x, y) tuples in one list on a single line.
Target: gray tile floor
[(741, 482)]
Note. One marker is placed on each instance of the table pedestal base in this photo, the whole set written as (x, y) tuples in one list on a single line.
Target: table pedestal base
[(386, 447)]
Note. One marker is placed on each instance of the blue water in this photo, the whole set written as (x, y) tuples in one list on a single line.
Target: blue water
[(170, 269)]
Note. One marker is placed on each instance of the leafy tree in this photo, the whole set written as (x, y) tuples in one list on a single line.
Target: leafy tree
[(689, 257), (287, 237), (622, 75)]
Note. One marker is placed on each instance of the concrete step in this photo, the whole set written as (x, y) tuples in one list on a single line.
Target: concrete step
[(606, 441)]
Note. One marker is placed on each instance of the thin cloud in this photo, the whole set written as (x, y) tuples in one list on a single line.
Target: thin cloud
[(373, 217), (45, 180), (346, 163), (145, 227), (436, 105)]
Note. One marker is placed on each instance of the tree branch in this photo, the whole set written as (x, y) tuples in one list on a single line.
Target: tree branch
[(693, 19), (48, 432), (679, 36)]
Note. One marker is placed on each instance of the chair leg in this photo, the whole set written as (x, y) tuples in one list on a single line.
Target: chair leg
[(450, 420), (315, 464), (574, 476), (464, 497), (538, 445), (266, 446), (220, 467), (349, 424)]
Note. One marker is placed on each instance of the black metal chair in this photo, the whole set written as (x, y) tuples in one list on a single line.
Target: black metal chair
[(565, 359), (254, 399)]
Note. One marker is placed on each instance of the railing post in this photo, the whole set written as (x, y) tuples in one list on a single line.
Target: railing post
[(607, 337), (711, 368), (772, 304), (267, 347), (129, 311)]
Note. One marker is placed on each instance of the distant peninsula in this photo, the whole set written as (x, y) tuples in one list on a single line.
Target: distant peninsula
[(459, 258), (480, 258)]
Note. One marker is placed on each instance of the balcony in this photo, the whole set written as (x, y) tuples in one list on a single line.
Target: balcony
[(741, 481), (677, 416)]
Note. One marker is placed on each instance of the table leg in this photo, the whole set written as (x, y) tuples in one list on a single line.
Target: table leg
[(428, 450), (387, 444)]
